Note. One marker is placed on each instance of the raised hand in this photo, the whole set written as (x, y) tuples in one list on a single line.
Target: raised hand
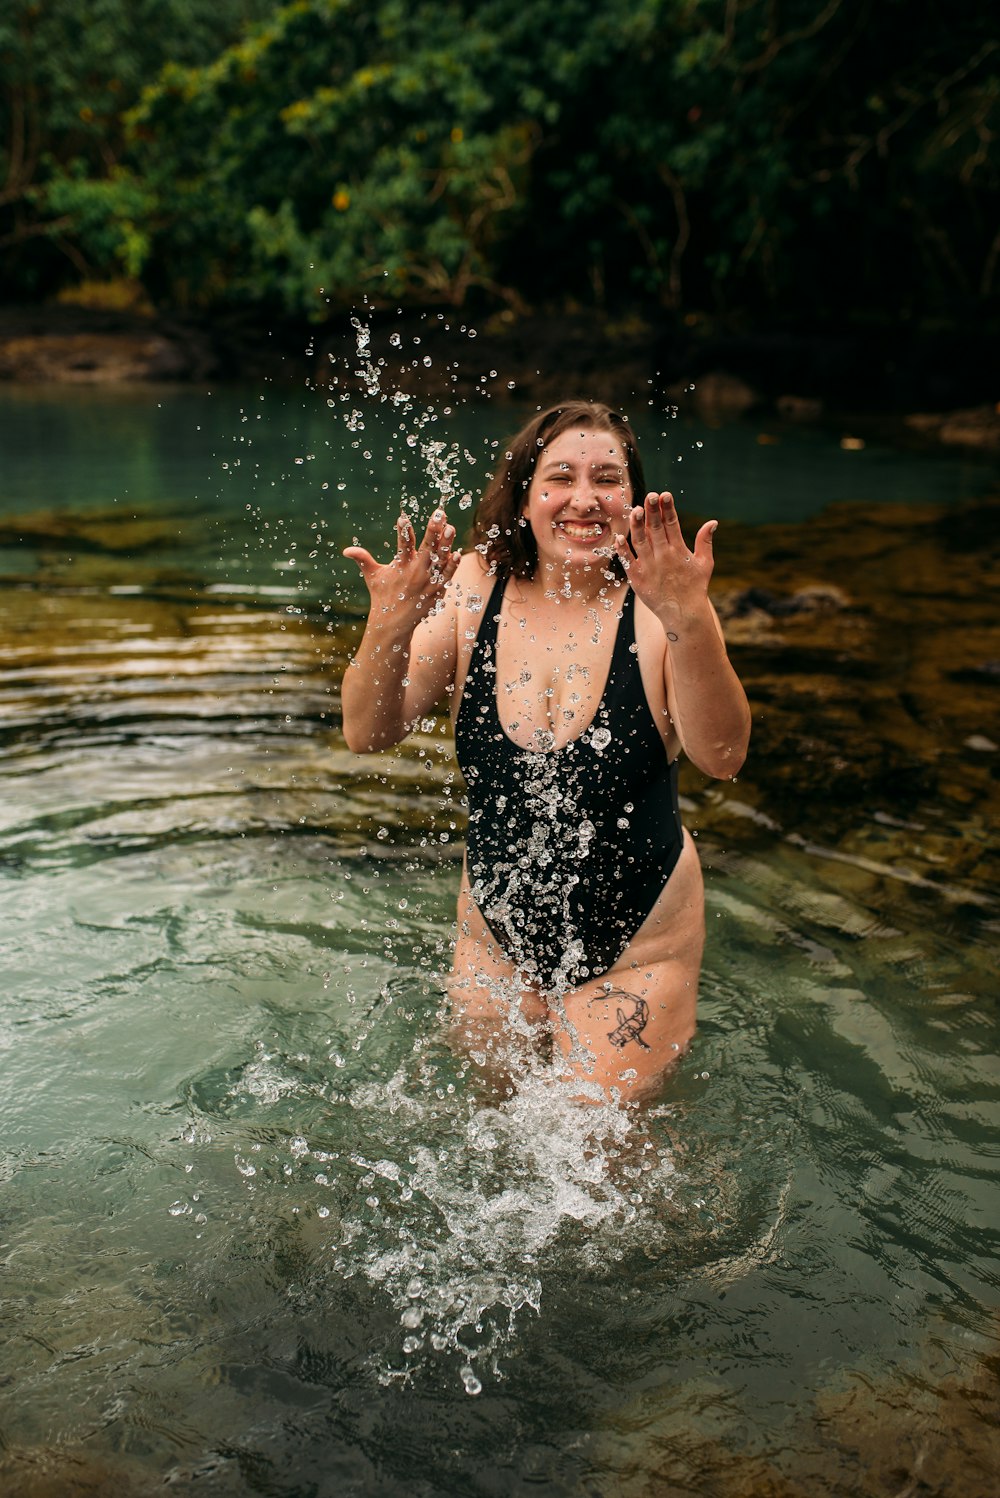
[(669, 579), (413, 582)]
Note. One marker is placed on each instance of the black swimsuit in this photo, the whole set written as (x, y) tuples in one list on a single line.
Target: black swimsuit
[(568, 849)]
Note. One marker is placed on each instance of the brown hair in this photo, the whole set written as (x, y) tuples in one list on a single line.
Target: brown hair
[(498, 532)]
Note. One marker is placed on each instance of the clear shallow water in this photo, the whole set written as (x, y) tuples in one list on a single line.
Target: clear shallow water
[(244, 1174), (254, 492)]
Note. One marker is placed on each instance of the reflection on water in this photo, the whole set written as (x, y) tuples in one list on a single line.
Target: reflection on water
[(263, 1230)]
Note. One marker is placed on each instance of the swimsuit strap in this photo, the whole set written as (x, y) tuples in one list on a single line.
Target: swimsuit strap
[(618, 671), (480, 680), (487, 635)]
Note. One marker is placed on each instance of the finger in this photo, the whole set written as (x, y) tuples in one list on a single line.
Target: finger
[(406, 541), (448, 564), (441, 571), (638, 533), (669, 508), (653, 511), (441, 546), (671, 523), (364, 559), (703, 541), (432, 535), (623, 551)]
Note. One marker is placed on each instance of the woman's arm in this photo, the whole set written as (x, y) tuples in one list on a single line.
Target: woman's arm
[(706, 701), (406, 659)]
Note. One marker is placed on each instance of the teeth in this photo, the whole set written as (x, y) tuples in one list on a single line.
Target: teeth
[(582, 532)]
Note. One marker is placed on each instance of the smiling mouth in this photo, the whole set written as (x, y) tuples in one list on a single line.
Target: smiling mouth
[(579, 532)]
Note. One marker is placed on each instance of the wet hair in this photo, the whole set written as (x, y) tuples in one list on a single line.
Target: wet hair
[(508, 545)]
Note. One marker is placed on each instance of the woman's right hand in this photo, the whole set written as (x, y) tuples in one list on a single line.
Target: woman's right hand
[(415, 580)]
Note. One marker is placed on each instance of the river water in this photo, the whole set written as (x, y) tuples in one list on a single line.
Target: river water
[(263, 1231)]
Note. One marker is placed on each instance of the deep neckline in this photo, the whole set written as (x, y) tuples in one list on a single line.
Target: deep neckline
[(494, 611)]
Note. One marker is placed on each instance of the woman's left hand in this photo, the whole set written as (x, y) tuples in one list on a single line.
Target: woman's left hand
[(668, 578)]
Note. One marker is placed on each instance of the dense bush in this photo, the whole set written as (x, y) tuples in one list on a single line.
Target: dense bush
[(721, 155)]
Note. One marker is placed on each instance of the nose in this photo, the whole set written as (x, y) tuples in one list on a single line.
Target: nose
[(585, 496)]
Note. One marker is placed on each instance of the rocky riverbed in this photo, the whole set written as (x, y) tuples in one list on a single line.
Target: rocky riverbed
[(141, 711), (868, 639)]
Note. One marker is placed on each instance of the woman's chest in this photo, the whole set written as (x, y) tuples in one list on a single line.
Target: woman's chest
[(551, 673)]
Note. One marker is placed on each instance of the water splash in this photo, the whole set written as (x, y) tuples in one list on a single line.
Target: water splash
[(456, 1231), (437, 476)]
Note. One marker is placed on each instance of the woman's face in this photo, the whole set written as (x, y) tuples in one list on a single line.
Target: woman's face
[(579, 497)]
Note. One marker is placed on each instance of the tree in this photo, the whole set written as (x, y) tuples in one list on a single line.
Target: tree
[(820, 157), (69, 70)]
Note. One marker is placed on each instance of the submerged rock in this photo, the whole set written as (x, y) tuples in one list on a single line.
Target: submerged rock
[(868, 640), (871, 707), (819, 598), (62, 1472), (977, 427)]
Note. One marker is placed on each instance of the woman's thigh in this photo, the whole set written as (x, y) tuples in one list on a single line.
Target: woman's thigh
[(502, 1026), (484, 983), (622, 1031), (626, 1029)]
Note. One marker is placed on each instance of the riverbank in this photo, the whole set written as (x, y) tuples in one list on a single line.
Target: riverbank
[(908, 384)]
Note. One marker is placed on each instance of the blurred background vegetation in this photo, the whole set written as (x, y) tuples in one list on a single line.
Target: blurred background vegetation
[(825, 159)]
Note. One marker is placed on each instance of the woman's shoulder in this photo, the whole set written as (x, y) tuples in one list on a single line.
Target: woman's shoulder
[(473, 576)]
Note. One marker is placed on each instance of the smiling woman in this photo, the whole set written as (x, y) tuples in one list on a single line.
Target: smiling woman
[(581, 494), (582, 656)]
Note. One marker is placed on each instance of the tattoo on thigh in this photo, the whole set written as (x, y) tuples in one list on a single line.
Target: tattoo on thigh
[(630, 1025)]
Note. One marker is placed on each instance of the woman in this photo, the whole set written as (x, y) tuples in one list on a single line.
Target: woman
[(582, 656)]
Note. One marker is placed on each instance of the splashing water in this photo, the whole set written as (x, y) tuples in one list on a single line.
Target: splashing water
[(457, 1224), (438, 478), (808, 1283)]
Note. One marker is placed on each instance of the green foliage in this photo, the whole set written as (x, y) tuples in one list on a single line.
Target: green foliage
[(822, 156), (69, 69)]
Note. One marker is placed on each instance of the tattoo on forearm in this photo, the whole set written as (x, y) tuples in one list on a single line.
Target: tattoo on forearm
[(630, 1023)]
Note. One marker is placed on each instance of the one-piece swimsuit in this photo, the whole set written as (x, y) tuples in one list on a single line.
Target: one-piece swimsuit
[(569, 848)]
